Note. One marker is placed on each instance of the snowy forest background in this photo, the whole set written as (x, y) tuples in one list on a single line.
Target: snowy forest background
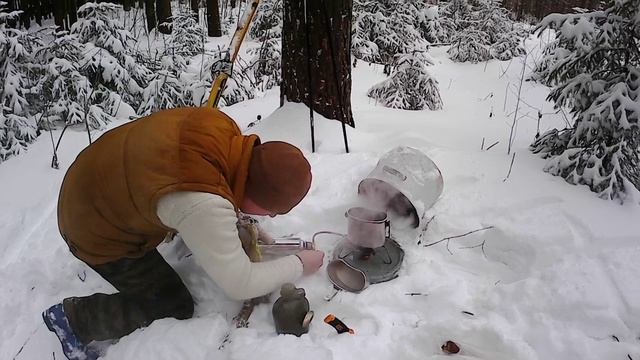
[(80, 69)]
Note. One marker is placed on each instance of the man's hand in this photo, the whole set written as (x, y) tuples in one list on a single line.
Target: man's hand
[(311, 260)]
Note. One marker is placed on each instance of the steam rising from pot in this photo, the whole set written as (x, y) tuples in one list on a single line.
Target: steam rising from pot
[(379, 195)]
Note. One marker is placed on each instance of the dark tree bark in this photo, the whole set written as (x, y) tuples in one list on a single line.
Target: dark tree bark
[(194, 5), (213, 18), (163, 14), (72, 10), (150, 12), (126, 4), (329, 32), (59, 15)]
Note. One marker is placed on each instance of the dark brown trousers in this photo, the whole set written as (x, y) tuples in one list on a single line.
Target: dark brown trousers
[(149, 289)]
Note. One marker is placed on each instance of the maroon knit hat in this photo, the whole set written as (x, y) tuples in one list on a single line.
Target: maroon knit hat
[(279, 176)]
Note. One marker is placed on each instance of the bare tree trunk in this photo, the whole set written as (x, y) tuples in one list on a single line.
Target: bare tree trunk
[(213, 18), (59, 15), (328, 56), (163, 14), (72, 10), (150, 11)]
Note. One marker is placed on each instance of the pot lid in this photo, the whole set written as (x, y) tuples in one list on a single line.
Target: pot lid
[(378, 265)]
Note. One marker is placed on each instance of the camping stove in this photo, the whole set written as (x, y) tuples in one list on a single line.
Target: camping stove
[(367, 254), (378, 264)]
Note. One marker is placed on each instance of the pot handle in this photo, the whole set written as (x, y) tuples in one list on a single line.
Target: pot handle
[(387, 229)]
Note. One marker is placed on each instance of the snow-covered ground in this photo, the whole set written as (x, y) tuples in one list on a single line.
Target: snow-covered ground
[(557, 277)]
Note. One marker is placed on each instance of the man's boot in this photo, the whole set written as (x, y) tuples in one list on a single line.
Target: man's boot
[(57, 322)]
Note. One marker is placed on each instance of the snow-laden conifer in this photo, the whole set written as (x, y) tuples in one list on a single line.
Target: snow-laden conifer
[(267, 22), (410, 86), (265, 61), (17, 126), (470, 45), (480, 30), (165, 89), (187, 36), (107, 59), (65, 93), (594, 65), (431, 26), (167, 85), (385, 28)]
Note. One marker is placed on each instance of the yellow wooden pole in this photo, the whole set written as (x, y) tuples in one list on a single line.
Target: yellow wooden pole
[(241, 30)]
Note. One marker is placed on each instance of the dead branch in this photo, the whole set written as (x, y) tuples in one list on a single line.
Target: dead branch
[(424, 229), (447, 239), (510, 167), (481, 246), (82, 277), (492, 145), (513, 125)]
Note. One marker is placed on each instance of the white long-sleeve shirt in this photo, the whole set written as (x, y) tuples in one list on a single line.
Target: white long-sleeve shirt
[(207, 224)]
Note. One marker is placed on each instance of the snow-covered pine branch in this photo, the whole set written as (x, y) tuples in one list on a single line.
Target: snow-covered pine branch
[(410, 86), (265, 63), (64, 93), (383, 29), (17, 125), (267, 23), (167, 85), (480, 30), (107, 59), (594, 66)]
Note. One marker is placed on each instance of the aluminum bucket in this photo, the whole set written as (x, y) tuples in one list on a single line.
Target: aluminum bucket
[(405, 183)]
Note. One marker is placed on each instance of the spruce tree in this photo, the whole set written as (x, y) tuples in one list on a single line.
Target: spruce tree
[(594, 68), (384, 28), (266, 60), (410, 86), (108, 61), (480, 30), (167, 85), (17, 125), (65, 94)]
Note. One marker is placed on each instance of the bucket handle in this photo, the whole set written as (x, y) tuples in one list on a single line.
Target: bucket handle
[(394, 172)]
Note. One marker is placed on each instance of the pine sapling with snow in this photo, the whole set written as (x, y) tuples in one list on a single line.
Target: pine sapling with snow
[(383, 29), (595, 71), (167, 85), (431, 26), (108, 60), (481, 30), (266, 27), (17, 125), (470, 45), (266, 63), (165, 89), (267, 22), (410, 86), (187, 36), (64, 93)]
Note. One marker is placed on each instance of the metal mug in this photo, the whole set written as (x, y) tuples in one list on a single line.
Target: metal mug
[(366, 227)]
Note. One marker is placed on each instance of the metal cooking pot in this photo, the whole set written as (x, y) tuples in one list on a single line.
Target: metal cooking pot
[(366, 227), (405, 184)]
